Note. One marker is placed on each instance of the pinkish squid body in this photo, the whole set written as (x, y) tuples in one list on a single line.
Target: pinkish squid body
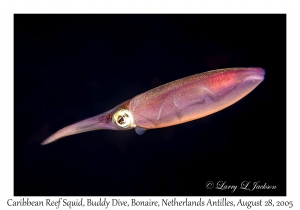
[(173, 103)]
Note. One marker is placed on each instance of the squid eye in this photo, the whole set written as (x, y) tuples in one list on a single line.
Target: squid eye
[(123, 119)]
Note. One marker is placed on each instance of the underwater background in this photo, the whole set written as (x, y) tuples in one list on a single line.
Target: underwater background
[(71, 67)]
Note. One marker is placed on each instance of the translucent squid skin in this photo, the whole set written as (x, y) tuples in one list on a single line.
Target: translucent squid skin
[(176, 102), (193, 97)]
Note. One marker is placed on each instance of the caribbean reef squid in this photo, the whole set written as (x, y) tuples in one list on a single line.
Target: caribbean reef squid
[(173, 103)]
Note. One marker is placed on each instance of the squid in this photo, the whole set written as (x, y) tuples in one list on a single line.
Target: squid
[(173, 103)]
